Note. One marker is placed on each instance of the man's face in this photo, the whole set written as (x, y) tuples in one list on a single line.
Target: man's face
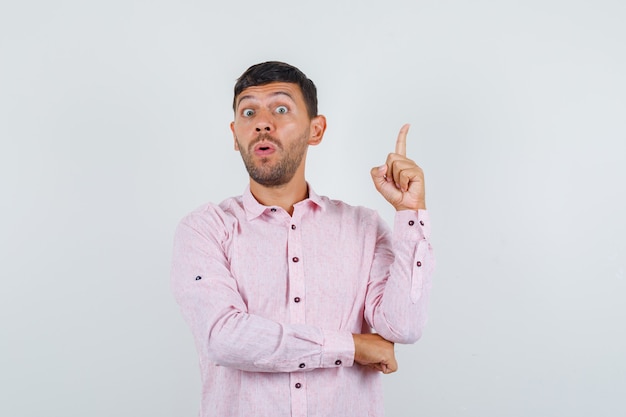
[(272, 131)]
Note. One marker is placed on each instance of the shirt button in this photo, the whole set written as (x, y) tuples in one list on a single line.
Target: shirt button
[(295, 259), (297, 299), (273, 209), (301, 366), (411, 222), (422, 222), (419, 263), (298, 385), (293, 227), (198, 278), (338, 362)]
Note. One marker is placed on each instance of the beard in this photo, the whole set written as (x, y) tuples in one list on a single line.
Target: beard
[(280, 172)]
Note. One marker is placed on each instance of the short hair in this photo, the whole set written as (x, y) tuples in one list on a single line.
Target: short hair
[(275, 71)]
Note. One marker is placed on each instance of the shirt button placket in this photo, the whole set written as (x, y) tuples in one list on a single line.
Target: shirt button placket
[(297, 304), (296, 272), (298, 395)]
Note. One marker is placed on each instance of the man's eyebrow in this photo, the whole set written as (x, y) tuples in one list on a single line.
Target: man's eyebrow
[(251, 97)]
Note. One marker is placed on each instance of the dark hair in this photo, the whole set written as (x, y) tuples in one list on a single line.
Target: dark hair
[(274, 71)]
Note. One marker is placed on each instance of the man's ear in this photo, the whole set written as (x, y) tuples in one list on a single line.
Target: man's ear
[(232, 129), (318, 127)]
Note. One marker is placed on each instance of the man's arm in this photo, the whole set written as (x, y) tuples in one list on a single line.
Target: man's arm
[(213, 307), (400, 277)]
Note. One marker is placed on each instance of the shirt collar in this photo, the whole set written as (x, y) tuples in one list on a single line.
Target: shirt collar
[(254, 209)]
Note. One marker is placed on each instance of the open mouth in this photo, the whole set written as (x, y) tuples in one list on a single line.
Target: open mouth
[(264, 148)]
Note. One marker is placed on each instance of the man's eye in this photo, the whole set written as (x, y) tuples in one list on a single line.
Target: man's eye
[(281, 109), (247, 112)]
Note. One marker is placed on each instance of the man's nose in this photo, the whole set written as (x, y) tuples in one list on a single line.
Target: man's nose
[(264, 123)]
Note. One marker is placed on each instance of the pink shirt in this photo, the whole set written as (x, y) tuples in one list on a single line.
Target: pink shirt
[(272, 301)]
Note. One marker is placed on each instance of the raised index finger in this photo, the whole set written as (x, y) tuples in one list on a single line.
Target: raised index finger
[(401, 142)]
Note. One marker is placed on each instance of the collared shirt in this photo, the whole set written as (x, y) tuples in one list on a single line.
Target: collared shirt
[(273, 300)]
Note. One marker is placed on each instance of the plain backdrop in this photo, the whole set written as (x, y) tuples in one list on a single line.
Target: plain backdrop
[(114, 124)]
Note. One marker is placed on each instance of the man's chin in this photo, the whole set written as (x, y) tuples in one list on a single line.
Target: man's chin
[(270, 182), (270, 179)]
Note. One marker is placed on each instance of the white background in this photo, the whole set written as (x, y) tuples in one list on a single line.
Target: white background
[(114, 124)]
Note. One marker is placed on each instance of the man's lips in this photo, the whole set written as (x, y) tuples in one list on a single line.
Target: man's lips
[(264, 148), (265, 145)]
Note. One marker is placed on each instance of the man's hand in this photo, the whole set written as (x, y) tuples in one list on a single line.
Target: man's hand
[(374, 351), (400, 180)]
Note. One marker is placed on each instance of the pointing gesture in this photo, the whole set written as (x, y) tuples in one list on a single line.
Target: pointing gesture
[(400, 180)]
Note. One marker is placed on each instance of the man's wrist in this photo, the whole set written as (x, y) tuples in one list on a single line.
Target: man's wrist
[(415, 207)]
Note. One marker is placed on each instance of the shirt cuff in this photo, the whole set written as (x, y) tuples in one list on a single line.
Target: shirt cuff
[(412, 225), (338, 349)]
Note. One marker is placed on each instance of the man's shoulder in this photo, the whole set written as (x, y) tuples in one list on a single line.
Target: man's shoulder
[(210, 213), (340, 207)]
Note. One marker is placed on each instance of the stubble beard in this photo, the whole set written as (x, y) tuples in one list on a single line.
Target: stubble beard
[(280, 172)]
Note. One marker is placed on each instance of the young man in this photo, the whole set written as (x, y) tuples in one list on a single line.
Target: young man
[(282, 287)]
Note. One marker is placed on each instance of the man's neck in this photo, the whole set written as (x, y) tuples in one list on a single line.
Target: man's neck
[(285, 196)]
